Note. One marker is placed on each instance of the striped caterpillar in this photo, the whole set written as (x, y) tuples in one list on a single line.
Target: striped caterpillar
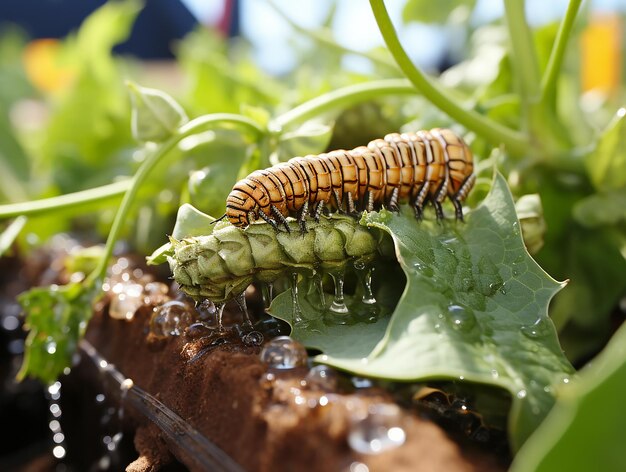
[(409, 167)]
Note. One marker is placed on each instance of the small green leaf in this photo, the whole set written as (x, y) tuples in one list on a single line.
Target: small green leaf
[(10, 233), (192, 222), (310, 138), (585, 430), (189, 222), (258, 114), (56, 317), (607, 163), (601, 209), (155, 115)]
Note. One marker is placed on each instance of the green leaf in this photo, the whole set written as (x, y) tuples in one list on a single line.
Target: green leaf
[(585, 430), (426, 11), (189, 222), (474, 308), (10, 233), (310, 138), (56, 317), (155, 115), (87, 141), (192, 222), (607, 163), (601, 209)]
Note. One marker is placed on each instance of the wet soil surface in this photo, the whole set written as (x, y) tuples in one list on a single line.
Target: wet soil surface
[(265, 418)]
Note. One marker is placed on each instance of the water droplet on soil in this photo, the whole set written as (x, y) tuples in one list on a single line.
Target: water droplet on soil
[(361, 382), (284, 353), (322, 377), (379, 431), (253, 338), (170, 319), (126, 298)]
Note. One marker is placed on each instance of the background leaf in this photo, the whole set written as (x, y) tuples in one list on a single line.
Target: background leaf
[(585, 430), (607, 163)]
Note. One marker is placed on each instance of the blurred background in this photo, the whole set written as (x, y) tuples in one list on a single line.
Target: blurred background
[(65, 114)]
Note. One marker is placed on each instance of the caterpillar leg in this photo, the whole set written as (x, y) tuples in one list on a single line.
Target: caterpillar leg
[(369, 201), (317, 211), (393, 200), (458, 209), (438, 210), (417, 208), (302, 215), (265, 218), (337, 200), (351, 207), (280, 218)]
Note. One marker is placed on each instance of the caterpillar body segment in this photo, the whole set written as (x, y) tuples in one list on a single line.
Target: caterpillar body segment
[(412, 168)]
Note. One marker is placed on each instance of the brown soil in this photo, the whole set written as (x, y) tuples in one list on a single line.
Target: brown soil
[(273, 423)]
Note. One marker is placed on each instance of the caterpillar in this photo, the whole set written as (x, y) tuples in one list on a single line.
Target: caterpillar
[(408, 167)]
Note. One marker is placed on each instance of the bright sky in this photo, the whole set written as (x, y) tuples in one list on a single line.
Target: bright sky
[(354, 25)]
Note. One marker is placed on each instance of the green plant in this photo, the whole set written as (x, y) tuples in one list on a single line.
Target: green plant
[(484, 308)]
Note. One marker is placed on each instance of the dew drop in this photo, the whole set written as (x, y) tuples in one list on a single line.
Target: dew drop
[(338, 304), (322, 377), (521, 394), (219, 312), (493, 287), (253, 338), (366, 281), (126, 298), (494, 374), (359, 264), (241, 301), (516, 228), (297, 311), (284, 352), (205, 310), (170, 319), (423, 269), (461, 318), (379, 431), (361, 382), (538, 329), (58, 452)]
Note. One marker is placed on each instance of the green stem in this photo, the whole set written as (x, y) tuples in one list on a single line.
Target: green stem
[(525, 64), (515, 142), (342, 97), (146, 167), (548, 82), (64, 202)]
